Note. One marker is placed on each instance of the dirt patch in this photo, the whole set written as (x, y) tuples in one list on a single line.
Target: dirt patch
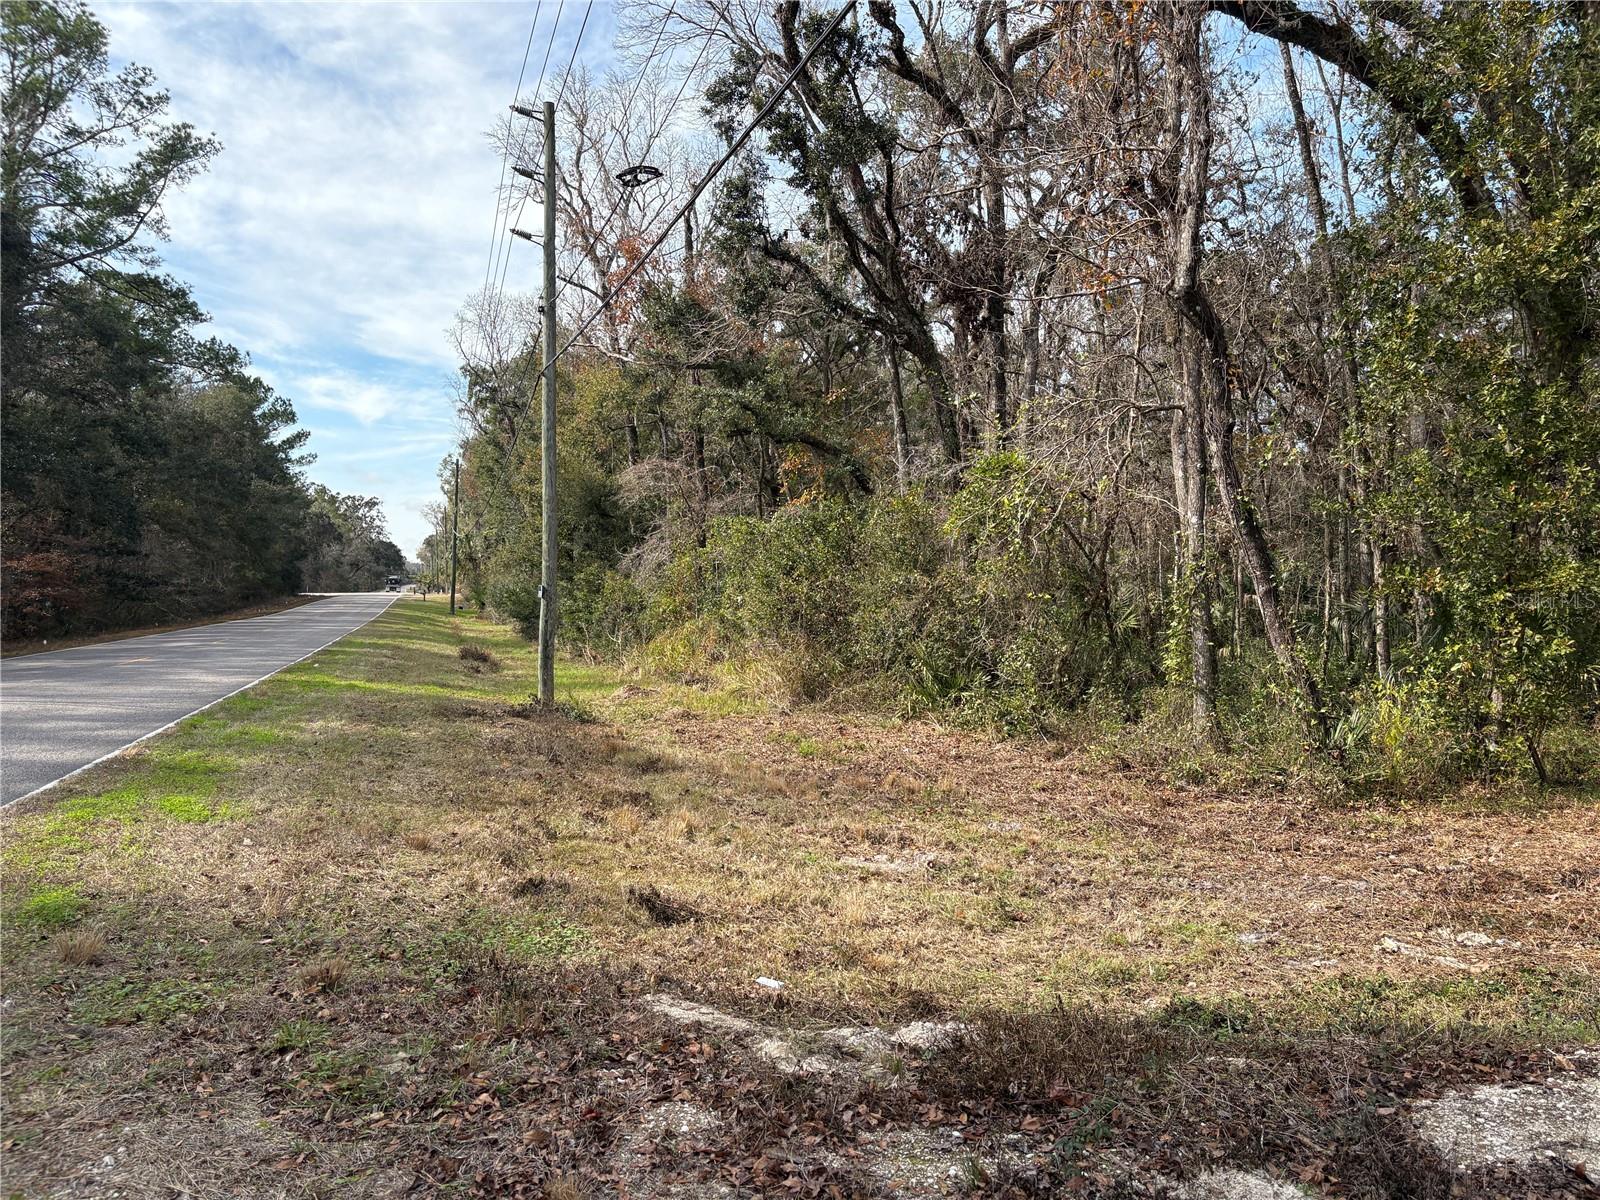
[(883, 864), (928, 1162), (661, 908), (1231, 1183)]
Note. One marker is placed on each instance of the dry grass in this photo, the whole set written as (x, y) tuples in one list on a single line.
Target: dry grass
[(1059, 880), (278, 900), (564, 1187), (881, 870), (325, 975), (685, 824), (80, 947), (479, 656)]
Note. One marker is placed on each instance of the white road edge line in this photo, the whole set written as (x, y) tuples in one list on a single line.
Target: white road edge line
[(212, 704)]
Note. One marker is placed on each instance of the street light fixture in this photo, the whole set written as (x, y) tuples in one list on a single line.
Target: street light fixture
[(637, 177)]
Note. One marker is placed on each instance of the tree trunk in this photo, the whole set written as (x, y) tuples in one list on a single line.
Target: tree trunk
[(1189, 484), (631, 428), (897, 419), (1030, 363), (1257, 552), (945, 417), (1194, 306), (1370, 548), (1382, 657), (995, 304)]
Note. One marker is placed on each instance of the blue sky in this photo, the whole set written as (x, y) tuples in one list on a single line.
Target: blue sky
[(350, 211)]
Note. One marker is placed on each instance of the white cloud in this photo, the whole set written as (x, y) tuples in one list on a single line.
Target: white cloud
[(355, 192), (367, 401)]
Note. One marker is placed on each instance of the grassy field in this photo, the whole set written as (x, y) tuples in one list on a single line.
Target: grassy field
[(380, 923)]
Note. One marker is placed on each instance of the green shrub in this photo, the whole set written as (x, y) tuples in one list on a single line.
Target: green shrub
[(967, 605), (602, 611), (516, 600)]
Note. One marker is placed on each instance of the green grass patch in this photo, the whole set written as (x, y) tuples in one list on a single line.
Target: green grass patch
[(297, 1034), (185, 808), (129, 1001), (1526, 1007), (52, 907), (172, 782), (1539, 1005), (544, 937), (229, 732), (346, 1077)]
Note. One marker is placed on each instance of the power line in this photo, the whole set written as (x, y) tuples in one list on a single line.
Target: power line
[(572, 58), (587, 9), (494, 230), (644, 73), (716, 168), (544, 67), (627, 109), (559, 96)]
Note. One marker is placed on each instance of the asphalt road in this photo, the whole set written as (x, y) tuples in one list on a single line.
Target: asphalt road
[(62, 710)]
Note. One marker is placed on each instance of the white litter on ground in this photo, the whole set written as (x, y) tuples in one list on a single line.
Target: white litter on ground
[(852, 1050), (1232, 1183), (1393, 945), (882, 864), (1510, 1123)]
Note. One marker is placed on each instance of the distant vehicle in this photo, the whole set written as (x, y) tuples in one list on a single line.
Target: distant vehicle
[(395, 583)]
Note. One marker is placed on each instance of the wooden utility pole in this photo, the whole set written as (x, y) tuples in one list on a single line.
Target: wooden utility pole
[(547, 582), (455, 510)]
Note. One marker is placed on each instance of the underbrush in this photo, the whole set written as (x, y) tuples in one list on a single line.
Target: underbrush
[(990, 609), (909, 604), (1380, 751)]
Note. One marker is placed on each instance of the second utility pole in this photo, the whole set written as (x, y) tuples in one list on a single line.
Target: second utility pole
[(455, 509), (547, 582)]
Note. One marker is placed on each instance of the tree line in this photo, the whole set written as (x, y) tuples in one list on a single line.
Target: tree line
[(1223, 368), (147, 475)]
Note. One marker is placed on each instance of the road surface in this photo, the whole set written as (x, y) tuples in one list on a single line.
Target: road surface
[(63, 710)]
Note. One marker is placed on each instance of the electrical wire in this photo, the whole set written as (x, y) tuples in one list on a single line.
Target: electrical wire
[(644, 73), (544, 67), (627, 110), (561, 95), (505, 155)]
